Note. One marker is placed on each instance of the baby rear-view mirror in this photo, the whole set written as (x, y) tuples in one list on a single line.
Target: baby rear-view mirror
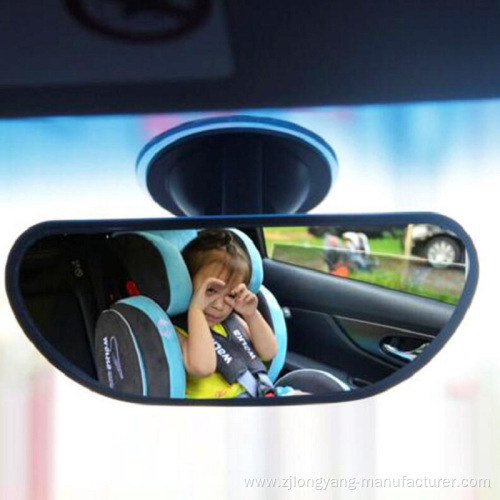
[(242, 310)]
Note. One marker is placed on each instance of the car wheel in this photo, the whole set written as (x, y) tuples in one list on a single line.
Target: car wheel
[(441, 251)]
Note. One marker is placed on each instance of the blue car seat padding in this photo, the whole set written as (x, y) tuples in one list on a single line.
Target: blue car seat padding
[(274, 315), (179, 238), (257, 270)]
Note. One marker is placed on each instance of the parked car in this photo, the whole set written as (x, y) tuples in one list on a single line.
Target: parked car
[(440, 247)]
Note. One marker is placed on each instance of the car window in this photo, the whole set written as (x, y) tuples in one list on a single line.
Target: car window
[(421, 259)]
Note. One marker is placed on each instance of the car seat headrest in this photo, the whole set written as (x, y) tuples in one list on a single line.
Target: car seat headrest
[(157, 269)]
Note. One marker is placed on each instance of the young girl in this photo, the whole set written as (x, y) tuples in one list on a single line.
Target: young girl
[(220, 272)]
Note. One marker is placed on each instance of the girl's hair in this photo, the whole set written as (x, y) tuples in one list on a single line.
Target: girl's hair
[(217, 245)]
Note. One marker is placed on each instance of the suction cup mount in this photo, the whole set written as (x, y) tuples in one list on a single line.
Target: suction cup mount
[(237, 165)]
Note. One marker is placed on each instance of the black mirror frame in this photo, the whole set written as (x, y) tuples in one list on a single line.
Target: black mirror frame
[(43, 229)]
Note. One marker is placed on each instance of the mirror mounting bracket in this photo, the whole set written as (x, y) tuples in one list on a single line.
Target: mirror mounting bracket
[(237, 165)]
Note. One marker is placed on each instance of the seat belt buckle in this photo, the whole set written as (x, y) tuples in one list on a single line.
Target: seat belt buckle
[(265, 388), (264, 391)]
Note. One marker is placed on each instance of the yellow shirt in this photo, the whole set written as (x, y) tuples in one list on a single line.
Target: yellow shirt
[(213, 386)]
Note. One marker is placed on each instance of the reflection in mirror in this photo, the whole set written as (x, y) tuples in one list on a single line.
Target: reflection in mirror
[(421, 259), (248, 313)]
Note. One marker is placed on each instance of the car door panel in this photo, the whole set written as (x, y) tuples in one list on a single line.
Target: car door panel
[(395, 345), (318, 336), (344, 323)]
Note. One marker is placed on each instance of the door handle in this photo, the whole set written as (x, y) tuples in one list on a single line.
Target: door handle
[(405, 355)]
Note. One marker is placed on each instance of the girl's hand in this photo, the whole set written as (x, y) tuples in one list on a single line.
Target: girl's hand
[(243, 301), (206, 293)]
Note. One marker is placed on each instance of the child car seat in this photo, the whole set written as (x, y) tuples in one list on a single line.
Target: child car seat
[(137, 350)]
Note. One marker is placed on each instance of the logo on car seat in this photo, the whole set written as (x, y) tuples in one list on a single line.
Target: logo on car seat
[(112, 359)]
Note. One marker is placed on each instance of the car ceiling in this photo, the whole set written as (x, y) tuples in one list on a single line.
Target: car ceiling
[(250, 54)]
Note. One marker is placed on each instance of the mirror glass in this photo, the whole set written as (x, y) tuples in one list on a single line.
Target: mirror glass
[(242, 310)]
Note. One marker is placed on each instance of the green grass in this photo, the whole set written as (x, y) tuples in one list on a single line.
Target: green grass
[(396, 281), (388, 245), (295, 235)]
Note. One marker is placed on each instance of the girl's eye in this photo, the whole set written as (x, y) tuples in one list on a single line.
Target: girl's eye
[(232, 295), (210, 290)]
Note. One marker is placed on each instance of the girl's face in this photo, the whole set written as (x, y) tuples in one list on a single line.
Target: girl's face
[(217, 309)]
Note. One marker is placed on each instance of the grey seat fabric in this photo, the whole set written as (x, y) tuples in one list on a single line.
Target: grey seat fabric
[(313, 381)]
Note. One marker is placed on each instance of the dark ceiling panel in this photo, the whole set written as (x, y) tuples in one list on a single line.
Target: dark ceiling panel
[(274, 54)]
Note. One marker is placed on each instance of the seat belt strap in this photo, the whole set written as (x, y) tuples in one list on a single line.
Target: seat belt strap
[(255, 379), (237, 361), (249, 383)]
